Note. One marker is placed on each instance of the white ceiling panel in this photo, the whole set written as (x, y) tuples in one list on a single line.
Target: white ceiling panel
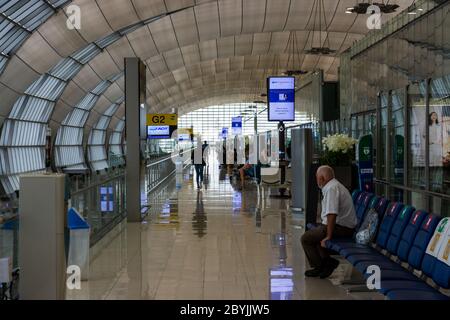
[(63, 40), (222, 65), (87, 79), (73, 94), (276, 15), (118, 13), (185, 27), (120, 50), (191, 54), (225, 47), (299, 14), (167, 80), (261, 43), (163, 34), (174, 59), (194, 71), (142, 43), (208, 67), (113, 93), (173, 5), (157, 65), (237, 63), (104, 65), (279, 42), (149, 8), (43, 61), (230, 17), (180, 75), (244, 44), (254, 16), (207, 16), (93, 23), (208, 50), (17, 67), (7, 100)]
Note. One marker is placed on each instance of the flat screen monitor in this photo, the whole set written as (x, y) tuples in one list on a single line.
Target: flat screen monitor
[(236, 124), (281, 98), (159, 132)]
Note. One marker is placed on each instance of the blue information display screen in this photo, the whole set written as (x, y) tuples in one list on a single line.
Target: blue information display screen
[(281, 98), (160, 132), (224, 133), (106, 199), (237, 125)]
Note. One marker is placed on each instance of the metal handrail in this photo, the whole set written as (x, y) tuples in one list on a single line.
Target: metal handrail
[(97, 183), (168, 158), (421, 191)]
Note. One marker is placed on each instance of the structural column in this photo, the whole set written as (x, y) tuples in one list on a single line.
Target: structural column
[(135, 111)]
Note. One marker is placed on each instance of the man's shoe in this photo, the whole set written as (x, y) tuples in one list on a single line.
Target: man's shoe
[(313, 273), (329, 266)]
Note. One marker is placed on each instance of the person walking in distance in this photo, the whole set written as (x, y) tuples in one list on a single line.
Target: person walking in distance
[(198, 158)]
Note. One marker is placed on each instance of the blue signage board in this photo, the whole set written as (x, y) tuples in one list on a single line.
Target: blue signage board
[(237, 125), (365, 163), (224, 133), (281, 98), (106, 199), (160, 132)]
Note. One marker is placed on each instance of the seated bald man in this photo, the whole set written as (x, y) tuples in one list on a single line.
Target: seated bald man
[(338, 220)]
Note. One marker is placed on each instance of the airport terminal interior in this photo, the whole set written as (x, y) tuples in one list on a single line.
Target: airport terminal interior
[(193, 150)]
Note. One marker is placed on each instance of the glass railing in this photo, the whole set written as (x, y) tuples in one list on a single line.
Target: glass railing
[(9, 231), (415, 11), (159, 169), (100, 199)]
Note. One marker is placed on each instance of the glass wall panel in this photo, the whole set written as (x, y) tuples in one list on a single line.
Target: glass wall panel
[(397, 143), (439, 130), (417, 145)]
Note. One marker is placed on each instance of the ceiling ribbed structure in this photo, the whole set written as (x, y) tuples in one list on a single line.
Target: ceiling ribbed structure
[(195, 52)]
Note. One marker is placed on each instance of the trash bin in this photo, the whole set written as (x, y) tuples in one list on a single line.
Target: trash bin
[(79, 242)]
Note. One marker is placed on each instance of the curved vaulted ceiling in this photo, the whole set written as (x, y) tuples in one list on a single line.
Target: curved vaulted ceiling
[(195, 51)]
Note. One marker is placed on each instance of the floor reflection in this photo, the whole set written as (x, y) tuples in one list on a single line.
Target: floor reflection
[(216, 243)]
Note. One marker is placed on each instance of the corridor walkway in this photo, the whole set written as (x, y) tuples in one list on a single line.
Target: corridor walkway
[(217, 243)]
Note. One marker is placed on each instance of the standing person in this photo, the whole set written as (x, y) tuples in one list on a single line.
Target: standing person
[(199, 164), (338, 219)]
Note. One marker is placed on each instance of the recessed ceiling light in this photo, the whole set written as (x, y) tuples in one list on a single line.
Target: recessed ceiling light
[(412, 12), (420, 9)]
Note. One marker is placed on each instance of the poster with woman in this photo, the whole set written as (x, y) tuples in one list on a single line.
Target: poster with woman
[(435, 125), (446, 135), (438, 122)]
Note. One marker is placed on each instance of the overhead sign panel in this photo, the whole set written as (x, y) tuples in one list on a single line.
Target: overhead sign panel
[(237, 125), (281, 98), (162, 119)]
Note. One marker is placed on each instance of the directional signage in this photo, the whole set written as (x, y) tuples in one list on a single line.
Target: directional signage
[(162, 119), (237, 125)]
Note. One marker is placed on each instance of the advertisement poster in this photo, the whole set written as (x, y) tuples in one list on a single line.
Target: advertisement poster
[(365, 163), (438, 121)]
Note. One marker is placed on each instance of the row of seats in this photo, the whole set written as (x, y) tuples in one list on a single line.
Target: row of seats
[(411, 248)]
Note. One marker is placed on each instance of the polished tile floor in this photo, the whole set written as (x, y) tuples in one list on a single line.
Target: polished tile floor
[(216, 243)]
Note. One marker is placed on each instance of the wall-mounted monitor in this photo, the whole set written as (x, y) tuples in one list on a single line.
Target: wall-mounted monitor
[(281, 98), (159, 132)]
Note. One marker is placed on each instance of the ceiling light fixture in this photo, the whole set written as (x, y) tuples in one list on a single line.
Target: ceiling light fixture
[(323, 47), (361, 8)]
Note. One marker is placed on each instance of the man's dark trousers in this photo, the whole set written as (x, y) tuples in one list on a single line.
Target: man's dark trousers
[(311, 239)]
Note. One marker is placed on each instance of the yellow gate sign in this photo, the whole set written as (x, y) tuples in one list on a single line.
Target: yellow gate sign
[(162, 119)]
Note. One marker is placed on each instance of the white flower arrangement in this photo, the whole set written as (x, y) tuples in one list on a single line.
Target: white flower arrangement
[(339, 143)]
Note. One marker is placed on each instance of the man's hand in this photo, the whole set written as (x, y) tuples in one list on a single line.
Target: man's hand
[(323, 243)]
